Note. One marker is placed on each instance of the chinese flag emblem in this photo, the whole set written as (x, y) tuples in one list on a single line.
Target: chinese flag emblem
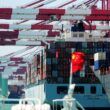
[(77, 61)]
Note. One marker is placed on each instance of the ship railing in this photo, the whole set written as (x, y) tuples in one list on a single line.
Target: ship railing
[(58, 103), (12, 104)]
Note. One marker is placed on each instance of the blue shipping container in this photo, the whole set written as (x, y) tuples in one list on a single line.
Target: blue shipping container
[(99, 63)]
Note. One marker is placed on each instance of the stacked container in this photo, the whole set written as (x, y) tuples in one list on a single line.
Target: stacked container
[(58, 58), (99, 60)]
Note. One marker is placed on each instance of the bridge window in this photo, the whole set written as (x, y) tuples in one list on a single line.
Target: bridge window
[(75, 35), (93, 89), (79, 90), (81, 35), (62, 90)]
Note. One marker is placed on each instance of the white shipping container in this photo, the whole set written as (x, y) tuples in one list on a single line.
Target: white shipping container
[(100, 56)]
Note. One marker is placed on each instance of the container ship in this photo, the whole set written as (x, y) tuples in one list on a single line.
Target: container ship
[(55, 83), (42, 69), (45, 74)]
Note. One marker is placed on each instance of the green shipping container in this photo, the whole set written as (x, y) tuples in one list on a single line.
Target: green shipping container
[(0, 81), (4, 87)]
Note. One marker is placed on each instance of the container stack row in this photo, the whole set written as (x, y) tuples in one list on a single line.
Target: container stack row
[(58, 59)]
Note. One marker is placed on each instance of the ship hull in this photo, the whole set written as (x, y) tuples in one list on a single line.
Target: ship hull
[(90, 101)]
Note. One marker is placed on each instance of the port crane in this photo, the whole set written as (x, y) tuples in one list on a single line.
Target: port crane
[(92, 14)]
